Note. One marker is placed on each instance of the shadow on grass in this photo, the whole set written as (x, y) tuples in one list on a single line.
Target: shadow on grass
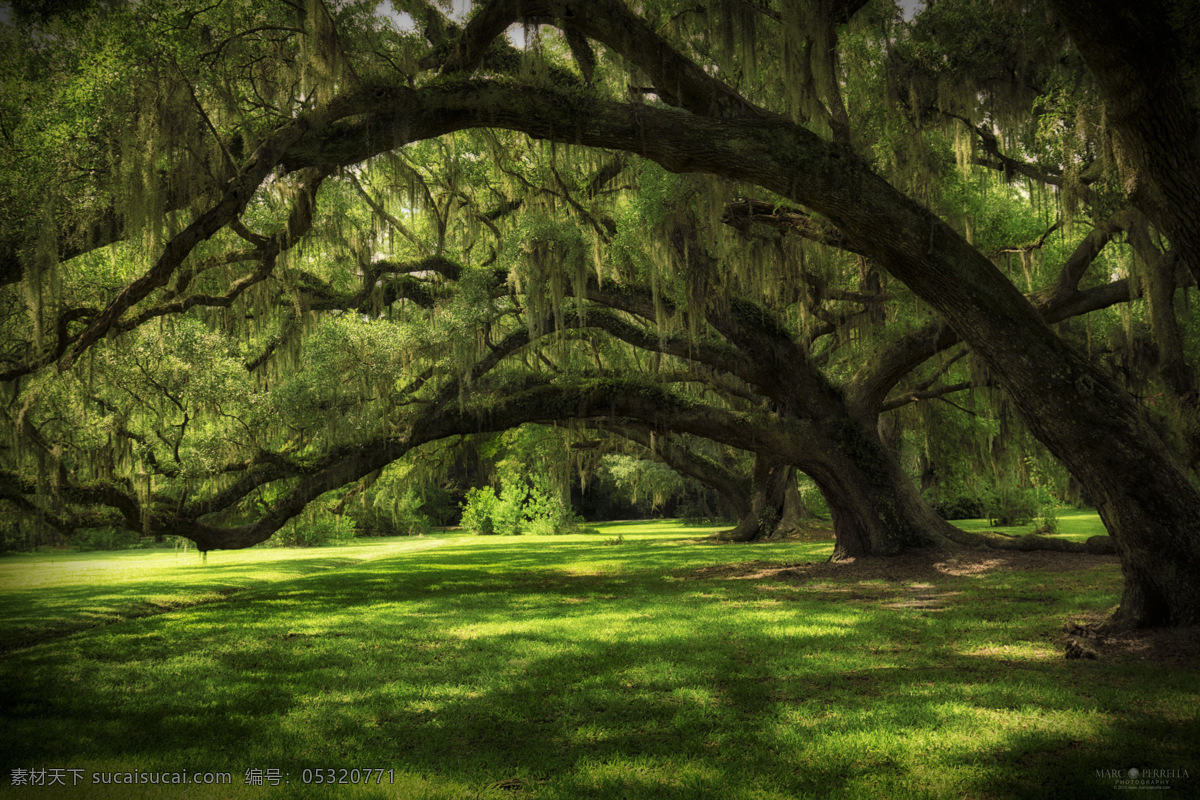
[(571, 669)]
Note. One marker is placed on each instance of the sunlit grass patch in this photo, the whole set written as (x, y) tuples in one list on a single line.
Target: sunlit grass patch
[(51, 594), (1076, 524)]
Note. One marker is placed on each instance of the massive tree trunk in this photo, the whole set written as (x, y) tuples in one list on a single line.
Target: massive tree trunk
[(767, 514), (1147, 503), (876, 509), (793, 514)]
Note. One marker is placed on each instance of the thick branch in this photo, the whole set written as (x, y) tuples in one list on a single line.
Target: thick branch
[(743, 214), (234, 197), (736, 489), (1060, 301), (606, 398)]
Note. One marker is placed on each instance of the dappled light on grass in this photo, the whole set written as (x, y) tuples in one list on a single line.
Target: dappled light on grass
[(558, 667), (45, 596), (1044, 650)]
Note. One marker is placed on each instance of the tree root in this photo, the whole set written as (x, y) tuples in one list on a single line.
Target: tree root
[(1097, 545), (738, 535), (1083, 641)]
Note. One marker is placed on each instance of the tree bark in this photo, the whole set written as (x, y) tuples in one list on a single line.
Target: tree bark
[(765, 516), (876, 508)]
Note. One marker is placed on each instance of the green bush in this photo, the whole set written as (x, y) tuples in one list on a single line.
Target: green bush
[(480, 511), (390, 513), (548, 513), (91, 539), (510, 510), (1009, 507), (1047, 522), (484, 513), (408, 517), (398, 502), (961, 507), (322, 531), (519, 508), (19, 533)]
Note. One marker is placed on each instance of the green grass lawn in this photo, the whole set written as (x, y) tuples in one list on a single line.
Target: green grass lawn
[(1073, 523), (571, 667)]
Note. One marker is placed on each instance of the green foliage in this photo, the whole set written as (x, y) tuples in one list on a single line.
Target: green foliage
[(530, 466), (960, 507), (647, 484), (509, 516), (548, 512), (392, 506), (521, 507), (90, 539), (19, 533), (390, 513), (480, 510), (324, 530), (408, 515), (1010, 506), (485, 512), (1047, 521)]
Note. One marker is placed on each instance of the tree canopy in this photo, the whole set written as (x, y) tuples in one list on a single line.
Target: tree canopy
[(257, 252)]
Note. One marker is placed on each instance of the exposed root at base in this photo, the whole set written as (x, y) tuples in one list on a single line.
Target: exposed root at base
[(1094, 637), (1097, 545)]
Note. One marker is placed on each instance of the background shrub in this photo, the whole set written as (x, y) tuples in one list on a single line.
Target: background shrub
[(479, 511), (319, 531), (520, 507), (1012, 506), (91, 539), (960, 507)]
